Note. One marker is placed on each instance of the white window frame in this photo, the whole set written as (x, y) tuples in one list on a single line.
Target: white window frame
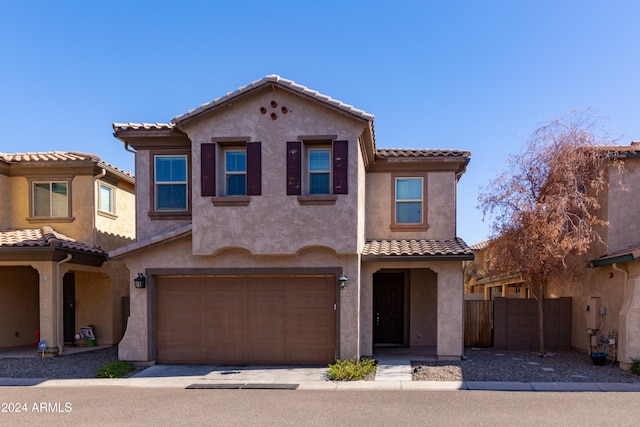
[(112, 198), (156, 184), (228, 173), (399, 201), (328, 171)]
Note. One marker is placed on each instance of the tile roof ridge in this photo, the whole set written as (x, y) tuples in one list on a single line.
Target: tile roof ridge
[(49, 236)]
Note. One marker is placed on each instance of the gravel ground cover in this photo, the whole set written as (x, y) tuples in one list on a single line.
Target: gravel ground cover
[(79, 365), (521, 366)]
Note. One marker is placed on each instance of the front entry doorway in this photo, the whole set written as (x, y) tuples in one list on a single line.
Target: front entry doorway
[(388, 308), (69, 308)]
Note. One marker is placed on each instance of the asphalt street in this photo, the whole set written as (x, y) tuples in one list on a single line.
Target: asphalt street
[(117, 406)]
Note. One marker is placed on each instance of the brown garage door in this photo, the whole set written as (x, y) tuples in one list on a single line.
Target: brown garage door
[(246, 320)]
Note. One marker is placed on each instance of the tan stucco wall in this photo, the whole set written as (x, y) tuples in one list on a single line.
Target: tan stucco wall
[(18, 306), (273, 222), (6, 195), (623, 215), (81, 228), (99, 303), (177, 254), (424, 309), (114, 231), (441, 207)]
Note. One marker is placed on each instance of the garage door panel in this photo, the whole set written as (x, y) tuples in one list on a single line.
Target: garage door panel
[(246, 320)]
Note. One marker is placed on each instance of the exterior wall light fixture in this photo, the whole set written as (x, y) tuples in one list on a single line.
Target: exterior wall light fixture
[(343, 280), (140, 282)]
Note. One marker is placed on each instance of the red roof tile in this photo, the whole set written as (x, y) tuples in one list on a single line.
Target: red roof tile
[(43, 237), (435, 248)]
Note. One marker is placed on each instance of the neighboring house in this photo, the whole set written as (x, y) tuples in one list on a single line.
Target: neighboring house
[(61, 213), (482, 282), (271, 229), (606, 298)]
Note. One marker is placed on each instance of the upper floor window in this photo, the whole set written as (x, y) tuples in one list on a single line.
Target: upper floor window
[(231, 167), (170, 182), (106, 198), (317, 168), (235, 172), (319, 171), (409, 203), (51, 199)]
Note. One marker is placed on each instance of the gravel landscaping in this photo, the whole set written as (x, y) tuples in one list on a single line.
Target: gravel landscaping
[(79, 365), (521, 366), (479, 365)]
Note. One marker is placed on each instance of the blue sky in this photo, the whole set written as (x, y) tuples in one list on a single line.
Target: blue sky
[(472, 75)]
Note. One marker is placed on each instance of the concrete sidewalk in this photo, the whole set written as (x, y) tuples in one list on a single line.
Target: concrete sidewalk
[(258, 381)]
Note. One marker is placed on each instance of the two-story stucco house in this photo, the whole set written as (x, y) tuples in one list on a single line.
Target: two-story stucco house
[(606, 298), (271, 229), (60, 214)]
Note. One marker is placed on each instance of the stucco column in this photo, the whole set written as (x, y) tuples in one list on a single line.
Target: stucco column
[(629, 324), (450, 312), (48, 294), (134, 345), (349, 312)]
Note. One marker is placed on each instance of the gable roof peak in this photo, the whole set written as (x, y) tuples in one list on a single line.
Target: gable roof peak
[(281, 82)]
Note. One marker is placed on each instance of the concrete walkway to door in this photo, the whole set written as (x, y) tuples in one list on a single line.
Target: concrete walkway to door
[(394, 363)]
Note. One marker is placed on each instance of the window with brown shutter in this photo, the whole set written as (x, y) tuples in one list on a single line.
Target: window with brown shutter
[(208, 169), (340, 163), (294, 168), (254, 168)]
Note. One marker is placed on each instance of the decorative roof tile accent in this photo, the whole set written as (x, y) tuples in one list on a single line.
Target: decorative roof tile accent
[(289, 84), (400, 152), (43, 237), (436, 248)]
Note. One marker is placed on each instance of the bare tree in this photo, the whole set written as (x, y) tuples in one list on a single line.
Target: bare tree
[(544, 206)]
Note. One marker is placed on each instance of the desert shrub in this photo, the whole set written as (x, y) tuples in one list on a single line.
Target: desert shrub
[(115, 369), (351, 369), (635, 367)]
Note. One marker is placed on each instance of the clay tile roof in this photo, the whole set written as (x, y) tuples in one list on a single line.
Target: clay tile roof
[(137, 126), (480, 245), (285, 83), (399, 152), (47, 156), (445, 248), (59, 156), (43, 237)]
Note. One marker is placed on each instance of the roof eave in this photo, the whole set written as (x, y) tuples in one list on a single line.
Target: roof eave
[(609, 261), (412, 258)]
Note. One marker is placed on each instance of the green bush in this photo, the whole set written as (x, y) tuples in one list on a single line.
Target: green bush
[(115, 369), (351, 369), (635, 368)]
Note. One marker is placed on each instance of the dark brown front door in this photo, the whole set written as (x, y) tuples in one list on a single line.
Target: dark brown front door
[(388, 308), (69, 309)]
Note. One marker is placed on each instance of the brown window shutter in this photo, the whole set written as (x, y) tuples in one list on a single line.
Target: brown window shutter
[(340, 162), (294, 168), (208, 169), (254, 168)]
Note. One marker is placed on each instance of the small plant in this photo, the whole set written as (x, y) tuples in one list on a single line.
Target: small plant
[(351, 369), (115, 369), (635, 367)]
